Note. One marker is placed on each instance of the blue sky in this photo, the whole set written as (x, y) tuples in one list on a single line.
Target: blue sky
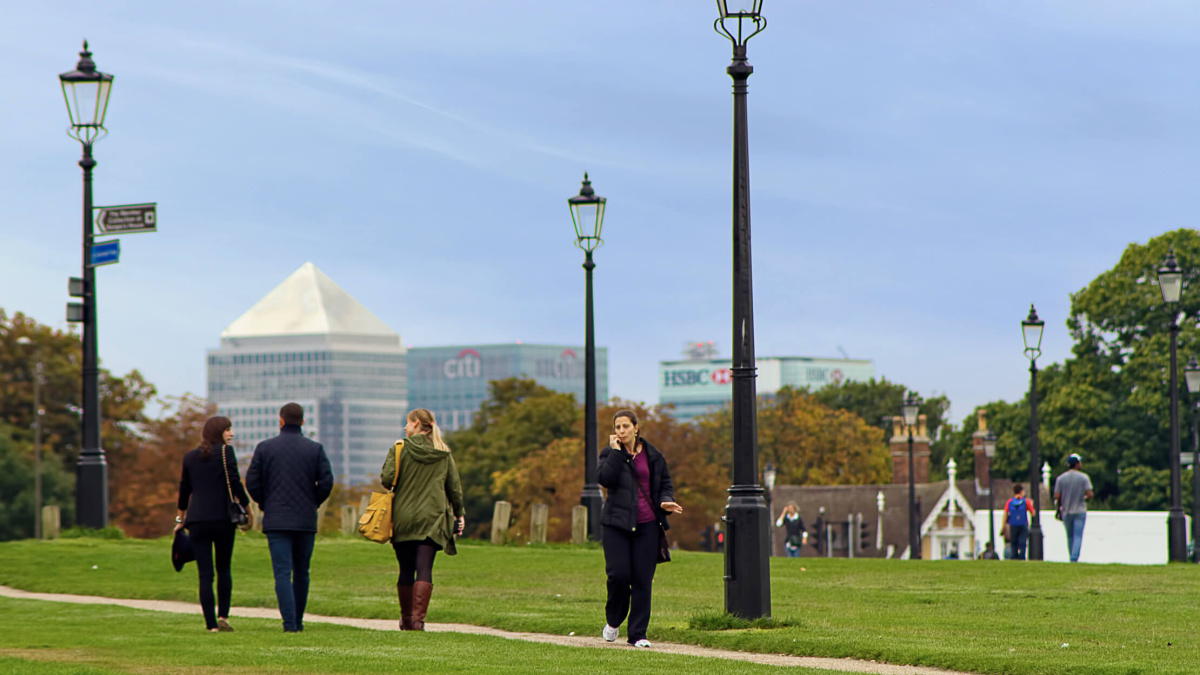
[(921, 171)]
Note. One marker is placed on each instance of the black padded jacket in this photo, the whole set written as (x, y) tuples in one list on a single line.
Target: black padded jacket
[(616, 473)]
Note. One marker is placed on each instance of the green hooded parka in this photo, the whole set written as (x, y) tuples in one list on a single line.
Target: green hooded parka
[(428, 493)]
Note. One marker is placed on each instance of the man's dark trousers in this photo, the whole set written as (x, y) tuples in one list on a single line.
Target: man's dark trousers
[(291, 552), (1020, 535), (630, 559)]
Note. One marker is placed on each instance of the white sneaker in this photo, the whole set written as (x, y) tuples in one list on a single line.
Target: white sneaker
[(609, 633), (642, 644)]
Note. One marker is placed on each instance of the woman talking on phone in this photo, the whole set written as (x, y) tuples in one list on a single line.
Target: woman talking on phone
[(640, 496)]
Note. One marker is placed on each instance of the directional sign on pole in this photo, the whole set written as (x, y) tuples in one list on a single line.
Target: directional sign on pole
[(127, 219), (1187, 458), (106, 253)]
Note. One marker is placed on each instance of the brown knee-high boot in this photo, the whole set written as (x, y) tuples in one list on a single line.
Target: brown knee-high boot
[(421, 592), (405, 594)]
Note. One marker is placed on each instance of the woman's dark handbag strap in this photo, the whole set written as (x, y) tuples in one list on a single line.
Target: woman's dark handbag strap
[(239, 517), (664, 546)]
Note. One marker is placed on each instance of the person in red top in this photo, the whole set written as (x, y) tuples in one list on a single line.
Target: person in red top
[(1017, 512)]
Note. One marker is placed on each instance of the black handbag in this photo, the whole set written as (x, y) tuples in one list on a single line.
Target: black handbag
[(237, 512)]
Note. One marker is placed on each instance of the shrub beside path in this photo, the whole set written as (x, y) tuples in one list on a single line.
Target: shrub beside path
[(594, 642)]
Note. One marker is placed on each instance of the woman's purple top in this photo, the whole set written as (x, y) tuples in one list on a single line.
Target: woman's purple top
[(642, 466)]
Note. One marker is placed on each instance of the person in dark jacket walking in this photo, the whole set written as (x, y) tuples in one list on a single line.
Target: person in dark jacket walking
[(427, 511), (640, 495), (207, 486), (289, 477)]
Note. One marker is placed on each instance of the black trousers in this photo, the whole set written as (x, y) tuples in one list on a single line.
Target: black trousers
[(630, 559), (207, 538)]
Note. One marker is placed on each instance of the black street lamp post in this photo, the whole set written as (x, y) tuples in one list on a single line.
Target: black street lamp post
[(747, 564), (1170, 282), (989, 451), (1191, 375), (1031, 333), (911, 410), (86, 91), (587, 213)]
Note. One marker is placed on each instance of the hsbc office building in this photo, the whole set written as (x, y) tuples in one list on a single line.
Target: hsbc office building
[(453, 381), (700, 386)]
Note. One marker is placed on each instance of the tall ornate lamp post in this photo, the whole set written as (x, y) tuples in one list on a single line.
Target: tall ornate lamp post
[(989, 451), (86, 91), (747, 564), (1191, 375), (911, 410), (1031, 333), (587, 212), (1170, 282)]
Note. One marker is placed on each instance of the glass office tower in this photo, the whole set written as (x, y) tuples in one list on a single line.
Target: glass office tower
[(453, 381), (308, 341), (699, 386)]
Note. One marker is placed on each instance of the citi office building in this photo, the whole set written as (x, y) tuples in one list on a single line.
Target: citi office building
[(453, 381)]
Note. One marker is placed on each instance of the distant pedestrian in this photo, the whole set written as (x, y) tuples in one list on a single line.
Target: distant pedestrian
[(795, 534), (634, 518), (427, 511), (1071, 492), (208, 486), (1017, 512), (289, 477)]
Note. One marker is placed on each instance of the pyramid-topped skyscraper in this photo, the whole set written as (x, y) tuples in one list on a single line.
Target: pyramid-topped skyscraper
[(311, 342)]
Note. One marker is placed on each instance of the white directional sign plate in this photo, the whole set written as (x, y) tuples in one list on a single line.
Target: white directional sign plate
[(127, 219)]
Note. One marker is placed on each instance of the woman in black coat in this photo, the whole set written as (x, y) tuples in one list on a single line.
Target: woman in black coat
[(207, 487), (640, 496)]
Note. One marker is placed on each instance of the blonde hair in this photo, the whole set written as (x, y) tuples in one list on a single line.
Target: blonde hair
[(429, 426)]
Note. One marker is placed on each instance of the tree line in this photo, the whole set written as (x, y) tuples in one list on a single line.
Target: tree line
[(1108, 402)]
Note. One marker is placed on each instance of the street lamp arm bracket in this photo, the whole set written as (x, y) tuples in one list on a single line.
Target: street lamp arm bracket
[(87, 134)]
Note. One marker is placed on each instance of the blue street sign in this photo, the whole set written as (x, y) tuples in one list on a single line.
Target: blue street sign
[(106, 253)]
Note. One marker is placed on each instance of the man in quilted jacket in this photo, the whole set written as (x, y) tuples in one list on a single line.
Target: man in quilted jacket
[(289, 477)]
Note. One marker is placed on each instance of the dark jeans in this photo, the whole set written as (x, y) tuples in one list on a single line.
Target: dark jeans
[(291, 552), (1019, 537), (630, 559), (207, 536)]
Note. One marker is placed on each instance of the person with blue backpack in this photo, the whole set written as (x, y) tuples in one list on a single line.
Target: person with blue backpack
[(1017, 512)]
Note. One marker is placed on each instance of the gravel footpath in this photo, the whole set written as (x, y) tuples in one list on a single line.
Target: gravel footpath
[(595, 642)]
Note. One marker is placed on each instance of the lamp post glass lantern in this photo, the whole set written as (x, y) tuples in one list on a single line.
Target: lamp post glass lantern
[(587, 213), (1031, 333), (86, 91), (910, 410), (1191, 375), (747, 549), (989, 451), (1170, 283)]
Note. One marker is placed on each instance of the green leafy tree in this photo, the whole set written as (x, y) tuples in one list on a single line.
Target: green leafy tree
[(1110, 402), (519, 418), (877, 401), (17, 507)]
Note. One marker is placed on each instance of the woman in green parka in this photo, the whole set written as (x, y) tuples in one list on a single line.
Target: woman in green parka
[(427, 511)]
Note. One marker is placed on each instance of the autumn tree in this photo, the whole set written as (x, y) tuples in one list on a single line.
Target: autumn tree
[(123, 400), (146, 482), (519, 418)]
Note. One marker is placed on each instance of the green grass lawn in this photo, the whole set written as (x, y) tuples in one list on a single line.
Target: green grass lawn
[(41, 638), (986, 617)]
